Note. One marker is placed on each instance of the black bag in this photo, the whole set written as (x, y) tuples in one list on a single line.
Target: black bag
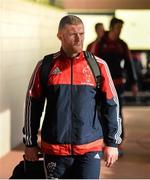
[(29, 170)]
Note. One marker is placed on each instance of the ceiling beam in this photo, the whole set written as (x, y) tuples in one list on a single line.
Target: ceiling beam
[(103, 4)]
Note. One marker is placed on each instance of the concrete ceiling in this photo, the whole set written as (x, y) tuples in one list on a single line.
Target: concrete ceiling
[(101, 5)]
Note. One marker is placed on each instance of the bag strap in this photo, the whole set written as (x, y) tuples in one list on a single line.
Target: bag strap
[(94, 67), (45, 67)]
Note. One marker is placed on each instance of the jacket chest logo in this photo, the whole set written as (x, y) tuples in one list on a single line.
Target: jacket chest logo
[(87, 74), (56, 71)]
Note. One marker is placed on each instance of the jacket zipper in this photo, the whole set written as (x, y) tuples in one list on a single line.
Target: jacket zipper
[(71, 151)]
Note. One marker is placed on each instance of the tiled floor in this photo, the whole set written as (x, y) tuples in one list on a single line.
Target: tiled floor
[(135, 164)]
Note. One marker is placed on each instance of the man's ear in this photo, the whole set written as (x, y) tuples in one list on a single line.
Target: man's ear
[(59, 36)]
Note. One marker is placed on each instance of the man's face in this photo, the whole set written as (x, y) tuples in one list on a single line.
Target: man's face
[(100, 31), (72, 37), (117, 29)]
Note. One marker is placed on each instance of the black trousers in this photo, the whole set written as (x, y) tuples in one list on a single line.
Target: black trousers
[(85, 166)]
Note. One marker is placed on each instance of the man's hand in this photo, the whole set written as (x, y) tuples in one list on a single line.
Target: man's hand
[(134, 89), (110, 155), (31, 153)]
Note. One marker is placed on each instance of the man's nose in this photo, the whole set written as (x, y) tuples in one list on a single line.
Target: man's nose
[(78, 36)]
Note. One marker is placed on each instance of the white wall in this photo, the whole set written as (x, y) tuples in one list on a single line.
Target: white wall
[(136, 29), (27, 32)]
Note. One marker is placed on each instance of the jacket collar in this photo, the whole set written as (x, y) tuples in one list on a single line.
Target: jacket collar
[(63, 55)]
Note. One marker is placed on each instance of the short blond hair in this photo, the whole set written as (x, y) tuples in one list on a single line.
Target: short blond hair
[(69, 19)]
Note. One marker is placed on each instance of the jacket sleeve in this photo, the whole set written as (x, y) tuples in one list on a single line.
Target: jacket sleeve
[(110, 120), (129, 65), (34, 106)]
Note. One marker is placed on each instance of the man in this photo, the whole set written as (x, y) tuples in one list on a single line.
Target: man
[(99, 29), (72, 135), (117, 55)]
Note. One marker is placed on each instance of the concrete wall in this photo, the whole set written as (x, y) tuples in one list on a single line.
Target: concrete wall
[(27, 32)]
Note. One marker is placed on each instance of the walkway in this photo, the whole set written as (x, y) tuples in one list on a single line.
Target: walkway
[(135, 164)]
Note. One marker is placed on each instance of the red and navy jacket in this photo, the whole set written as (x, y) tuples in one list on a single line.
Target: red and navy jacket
[(71, 124)]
